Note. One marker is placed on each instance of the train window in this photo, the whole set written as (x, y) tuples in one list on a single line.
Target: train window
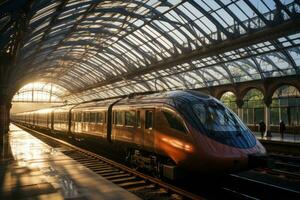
[(75, 117), (119, 118), (78, 117), (100, 117), (174, 122), (138, 119), (97, 118), (104, 117), (86, 117), (114, 117), (129, 118), (92, 117), (218, 119), (83, 117), (149, 119), (200, 111), (65, 117)]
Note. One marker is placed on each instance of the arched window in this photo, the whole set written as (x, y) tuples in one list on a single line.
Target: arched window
[(40, 92), (229, 99), (286, 106), (253, 107)]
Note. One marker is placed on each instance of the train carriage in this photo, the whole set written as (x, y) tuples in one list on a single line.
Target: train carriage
[(163, 132)]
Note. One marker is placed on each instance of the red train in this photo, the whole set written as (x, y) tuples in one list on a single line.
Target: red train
[(164, 132)]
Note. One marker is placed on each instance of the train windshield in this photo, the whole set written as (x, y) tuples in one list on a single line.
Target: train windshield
[(217, 119)]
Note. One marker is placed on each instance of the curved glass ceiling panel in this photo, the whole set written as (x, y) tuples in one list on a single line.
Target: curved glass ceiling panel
[(116, 47), (40, 92)]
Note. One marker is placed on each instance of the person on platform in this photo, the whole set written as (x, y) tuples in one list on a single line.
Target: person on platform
[(281, 128), (262, 128)]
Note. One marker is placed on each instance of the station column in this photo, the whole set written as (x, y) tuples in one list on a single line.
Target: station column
[(268, 103), (240, 103), (5, 106)]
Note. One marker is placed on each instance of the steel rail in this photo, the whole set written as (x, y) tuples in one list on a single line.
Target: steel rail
[(259, 189)]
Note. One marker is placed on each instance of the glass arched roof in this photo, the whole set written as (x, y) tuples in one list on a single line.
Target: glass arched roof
[(40, 92), (99, 49)]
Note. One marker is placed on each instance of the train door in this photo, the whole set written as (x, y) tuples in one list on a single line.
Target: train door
[(77, 123), (148, 128), (52, 120), (49, 120), (101, 126), (33, 119)]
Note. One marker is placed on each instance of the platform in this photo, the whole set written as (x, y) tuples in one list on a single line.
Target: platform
[(38, 171), (287, 137)]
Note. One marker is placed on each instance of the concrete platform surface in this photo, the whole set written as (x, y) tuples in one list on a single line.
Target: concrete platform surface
[(287, 137), (39, 171)]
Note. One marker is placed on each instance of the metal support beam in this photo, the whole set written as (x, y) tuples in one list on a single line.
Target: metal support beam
[(267, 34), (5, 103), (5, 106), (268, 102), (240, 103), (267, 118)]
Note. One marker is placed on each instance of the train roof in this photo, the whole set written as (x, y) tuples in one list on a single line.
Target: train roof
[(169, 97), (94, 104)]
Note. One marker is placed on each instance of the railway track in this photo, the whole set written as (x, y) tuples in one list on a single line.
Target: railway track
[(279, 173), (286, 165), (248, 188), (142, 185), (286, 161), (148, 187)]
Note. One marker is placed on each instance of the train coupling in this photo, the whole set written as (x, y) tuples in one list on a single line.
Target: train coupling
[(257, 160)]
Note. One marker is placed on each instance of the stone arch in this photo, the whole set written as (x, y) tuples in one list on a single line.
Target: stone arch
[(285, 107), (251, 96), (247, 89), (228, 91), (273, 87), (220, 93), (253, 108)]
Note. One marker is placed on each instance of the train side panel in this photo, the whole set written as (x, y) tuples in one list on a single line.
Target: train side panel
[(133, 127), (91, 122), (61, 119), (172, 137)]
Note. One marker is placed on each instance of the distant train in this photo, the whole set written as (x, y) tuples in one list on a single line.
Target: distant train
[(165, 132)]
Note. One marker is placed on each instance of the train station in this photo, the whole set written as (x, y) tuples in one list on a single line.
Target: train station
[(149, 99)]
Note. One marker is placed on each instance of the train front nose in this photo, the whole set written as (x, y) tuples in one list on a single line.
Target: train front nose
[(257, 160), (259, 157), (221, 157), (247, 158)]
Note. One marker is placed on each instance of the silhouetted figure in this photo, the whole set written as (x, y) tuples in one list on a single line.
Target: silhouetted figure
[(262, 128), (281, 128)]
